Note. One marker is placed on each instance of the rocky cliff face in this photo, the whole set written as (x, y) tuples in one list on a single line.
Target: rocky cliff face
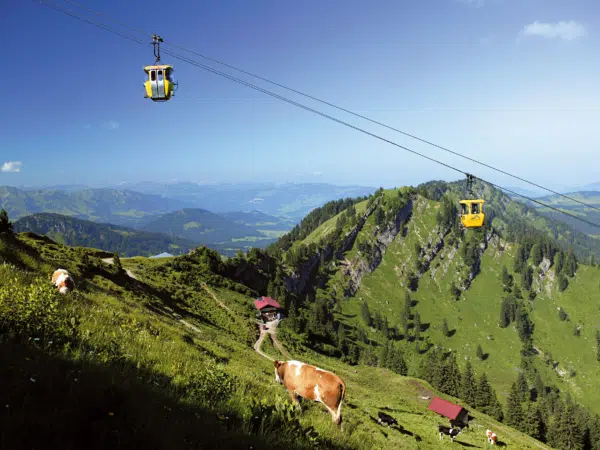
[(302, 277), (352, 271), (360, 265)]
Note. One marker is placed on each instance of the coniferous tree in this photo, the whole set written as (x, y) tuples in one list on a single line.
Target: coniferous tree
[(417, 326), (569, 428), (598, 345), (6, 225), (514, 412), (366, 314), (445, 330), (570, 266), (536, 254), (559, 260), (533, 423), (397, 362), (117, 263), (505, 314), (522, 387), (527, 277), (407, 306), (563, 282), (484, 392), (506, 279), (479, 352), (495, 408), (538, 384), (450, 381), (468, 387)]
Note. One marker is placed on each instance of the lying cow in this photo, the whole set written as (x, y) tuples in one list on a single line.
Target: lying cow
[(452, 432), (312, 383), (491, 437), (387, 419), (63, 281)]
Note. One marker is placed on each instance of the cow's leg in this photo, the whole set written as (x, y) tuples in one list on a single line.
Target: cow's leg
[(295, 398)]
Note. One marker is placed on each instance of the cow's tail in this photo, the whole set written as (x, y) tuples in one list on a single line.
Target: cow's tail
[(341, 396)]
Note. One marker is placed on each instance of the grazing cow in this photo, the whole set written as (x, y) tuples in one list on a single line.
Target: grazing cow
[(385, 418), (491, 437), (312, 383), (452, 432), (63, 281)]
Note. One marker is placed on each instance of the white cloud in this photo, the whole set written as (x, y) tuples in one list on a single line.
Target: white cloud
[(112, 124), (12, 166), (567, 30), (316, 174)]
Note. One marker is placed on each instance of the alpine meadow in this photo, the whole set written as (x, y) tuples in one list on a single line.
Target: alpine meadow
[(300, 225), (387, 291)]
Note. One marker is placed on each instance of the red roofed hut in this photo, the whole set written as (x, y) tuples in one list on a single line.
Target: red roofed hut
[(449, 410), (268, 307)]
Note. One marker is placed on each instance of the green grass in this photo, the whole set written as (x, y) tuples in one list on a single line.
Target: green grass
[(131, 375), (474, 318)]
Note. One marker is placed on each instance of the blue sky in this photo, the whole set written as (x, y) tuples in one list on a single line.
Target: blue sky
[(511, 82)]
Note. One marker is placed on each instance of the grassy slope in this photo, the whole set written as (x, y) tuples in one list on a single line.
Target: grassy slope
[(475, 315), (135, 348)]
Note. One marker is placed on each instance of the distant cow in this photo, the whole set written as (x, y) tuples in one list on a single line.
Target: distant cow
[(63, 281), (312, 383), (491, 437), (385, 418), (452, 432)]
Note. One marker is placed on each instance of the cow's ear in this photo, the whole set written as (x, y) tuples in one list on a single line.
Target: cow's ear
[(276, 364)]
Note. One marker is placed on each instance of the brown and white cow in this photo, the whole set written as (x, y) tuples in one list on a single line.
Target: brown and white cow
[(312, 383), (491, 436), (63, 281)]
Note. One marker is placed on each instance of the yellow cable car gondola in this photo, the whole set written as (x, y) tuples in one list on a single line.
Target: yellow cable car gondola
[(471, 210), (160, 83)]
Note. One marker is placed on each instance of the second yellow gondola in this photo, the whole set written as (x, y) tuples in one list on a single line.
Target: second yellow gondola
[(471, 213)]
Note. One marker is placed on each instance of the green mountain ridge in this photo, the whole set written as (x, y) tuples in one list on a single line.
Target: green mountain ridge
[(387, 291), (591, 198), (120, 207), (398, 267), (83, 233), (202, 226), (113, 364)]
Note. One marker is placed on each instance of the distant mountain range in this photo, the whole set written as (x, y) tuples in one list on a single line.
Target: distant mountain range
[(293, 201), (203, 227), (574, 208), (83, 233), (119, 207)]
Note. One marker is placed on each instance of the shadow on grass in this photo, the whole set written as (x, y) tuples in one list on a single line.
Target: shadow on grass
[(51, 402)]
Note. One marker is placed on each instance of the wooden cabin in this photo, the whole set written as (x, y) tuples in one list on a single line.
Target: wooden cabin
[(269, 308)]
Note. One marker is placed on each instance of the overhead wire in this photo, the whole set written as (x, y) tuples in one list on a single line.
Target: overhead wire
[(412, 136), (71, 13)]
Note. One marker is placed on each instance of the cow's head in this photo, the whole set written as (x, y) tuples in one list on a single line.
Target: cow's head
[(278, 371)]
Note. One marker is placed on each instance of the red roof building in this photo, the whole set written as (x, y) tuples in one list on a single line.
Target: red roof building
[(263, 302), (448, 409)]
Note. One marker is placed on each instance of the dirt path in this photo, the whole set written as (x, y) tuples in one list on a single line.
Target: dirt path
[(272, 330), (111, 261), (258, 343), (212, 294)]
